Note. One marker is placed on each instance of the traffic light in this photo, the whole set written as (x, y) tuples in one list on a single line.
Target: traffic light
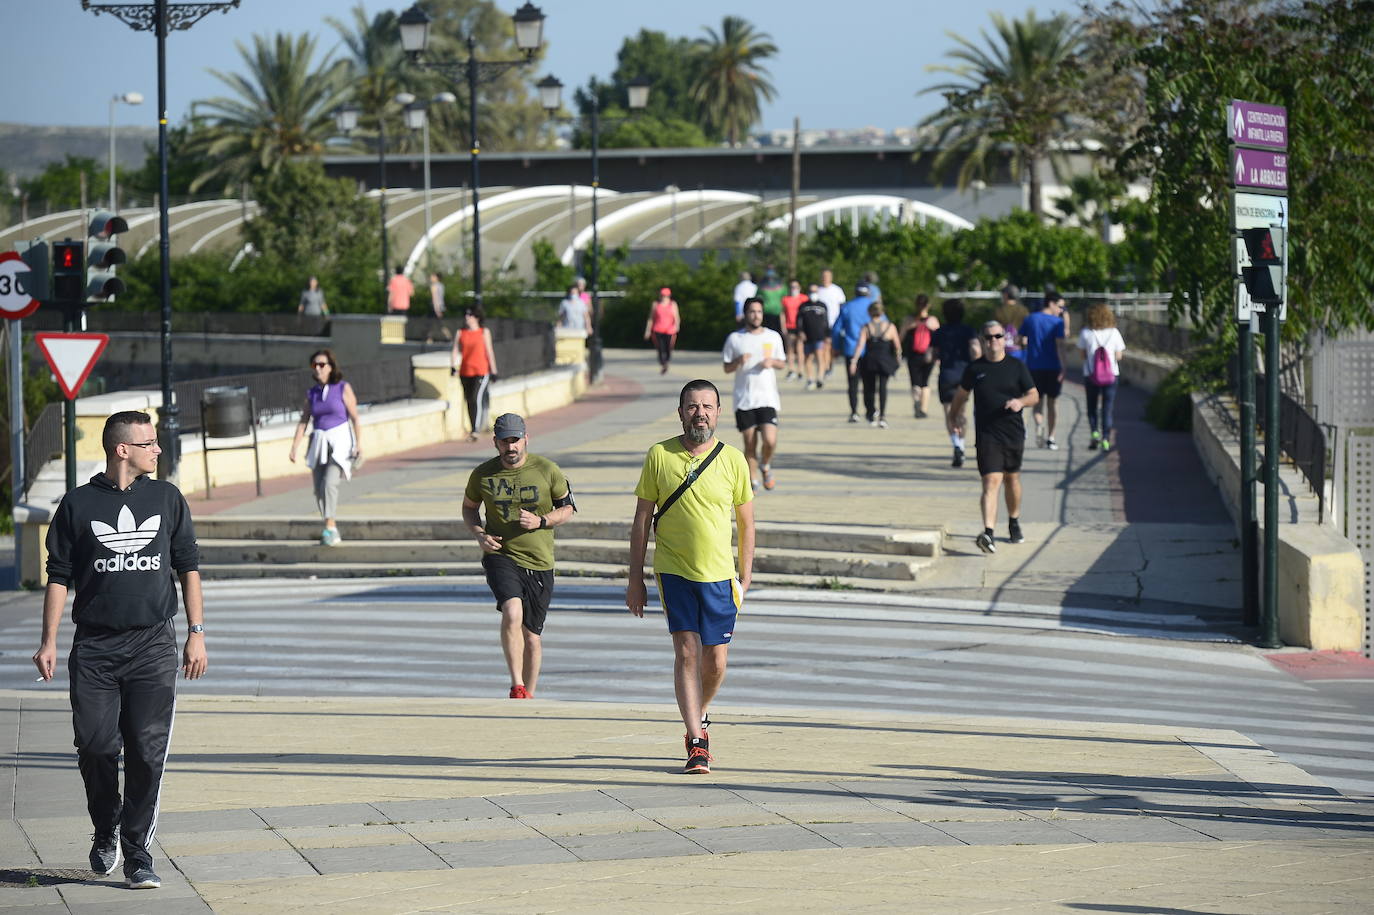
[(1264, 276), (36, 281), (68, 272), (104, 256)]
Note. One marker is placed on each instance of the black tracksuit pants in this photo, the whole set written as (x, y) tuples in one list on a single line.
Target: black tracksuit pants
[(123, 694)]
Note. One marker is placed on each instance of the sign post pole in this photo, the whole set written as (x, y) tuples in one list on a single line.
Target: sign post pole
[(1259, 166), (1269, 626), (20, 288), (1249, 522)]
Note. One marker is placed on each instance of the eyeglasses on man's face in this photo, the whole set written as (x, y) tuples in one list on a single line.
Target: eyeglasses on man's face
[(148, 444), (320, 365)]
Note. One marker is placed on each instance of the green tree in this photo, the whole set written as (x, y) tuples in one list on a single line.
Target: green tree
[(373, 74), (731, 78), (647, 132), (1018, 95), (670, 65), (184, 165), (282, 109), (1021, 249), (550, 273), (318, 225), (59, 184), (1312, 56)]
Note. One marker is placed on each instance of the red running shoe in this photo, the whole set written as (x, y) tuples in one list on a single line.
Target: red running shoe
[(518, 692), (698, 757)]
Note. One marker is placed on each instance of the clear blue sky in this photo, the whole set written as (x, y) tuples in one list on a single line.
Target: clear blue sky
[(850, 64)]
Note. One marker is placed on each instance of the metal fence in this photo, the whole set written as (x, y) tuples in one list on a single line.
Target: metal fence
[(263, 324), (1301, 437), (43, 443), (282, 393)]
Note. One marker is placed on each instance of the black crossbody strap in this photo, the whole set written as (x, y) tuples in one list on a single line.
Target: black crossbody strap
[(687, 482)]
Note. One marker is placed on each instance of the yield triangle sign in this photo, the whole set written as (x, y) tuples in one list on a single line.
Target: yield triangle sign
[(71, 357)]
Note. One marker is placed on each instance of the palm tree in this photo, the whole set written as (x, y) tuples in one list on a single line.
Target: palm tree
[(373, 72), (731, 80), (281, 109), (1019, 94)]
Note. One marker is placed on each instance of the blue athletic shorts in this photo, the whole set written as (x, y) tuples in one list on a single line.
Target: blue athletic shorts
[(704, 607)]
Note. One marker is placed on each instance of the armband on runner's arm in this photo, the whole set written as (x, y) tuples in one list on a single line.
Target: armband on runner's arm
[(565, 500)]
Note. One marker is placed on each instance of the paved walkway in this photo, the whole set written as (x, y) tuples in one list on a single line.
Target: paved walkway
[(374, 804), (363, 805), (1139, 527)]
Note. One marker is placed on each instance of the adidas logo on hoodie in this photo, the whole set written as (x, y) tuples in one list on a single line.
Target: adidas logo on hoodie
[(125, 539)]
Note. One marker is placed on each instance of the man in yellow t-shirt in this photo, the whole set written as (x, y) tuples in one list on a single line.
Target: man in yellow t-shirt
[(693, 564)]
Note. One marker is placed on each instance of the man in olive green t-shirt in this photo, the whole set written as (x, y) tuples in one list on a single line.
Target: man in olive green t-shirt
[(524, 497), (693, 565)]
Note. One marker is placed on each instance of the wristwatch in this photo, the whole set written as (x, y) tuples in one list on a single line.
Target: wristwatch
[(196, 628), (543, 522)]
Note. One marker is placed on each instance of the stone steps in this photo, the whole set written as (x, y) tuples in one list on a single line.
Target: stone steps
[(790, 555)]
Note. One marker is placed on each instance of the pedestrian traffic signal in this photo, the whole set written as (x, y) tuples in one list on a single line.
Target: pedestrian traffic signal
[(68, 272), (105, 255), (1264, 276)]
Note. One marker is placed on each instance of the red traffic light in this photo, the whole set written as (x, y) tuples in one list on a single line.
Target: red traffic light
[(1262, 247), (68, 257)]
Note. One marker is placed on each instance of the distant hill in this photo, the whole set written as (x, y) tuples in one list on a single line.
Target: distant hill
[(25, 148)]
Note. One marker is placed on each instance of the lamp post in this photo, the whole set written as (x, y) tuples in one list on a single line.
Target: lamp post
[(128, 98), (529, 32), (346, 120), (417, 118), (160, 18), (551, 98)]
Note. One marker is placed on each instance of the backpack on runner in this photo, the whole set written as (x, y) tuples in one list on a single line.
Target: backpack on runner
[(1102, 374), (920, 338)]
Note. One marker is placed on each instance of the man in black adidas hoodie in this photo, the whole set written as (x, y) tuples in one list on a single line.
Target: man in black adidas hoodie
[(119, 540)]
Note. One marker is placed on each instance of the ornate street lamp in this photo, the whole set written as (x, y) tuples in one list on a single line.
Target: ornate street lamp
[(551, 98), (160, 18), (529, 35)]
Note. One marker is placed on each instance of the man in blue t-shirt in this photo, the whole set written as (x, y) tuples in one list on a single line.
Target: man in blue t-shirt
[(1042, 335), (844, 339)]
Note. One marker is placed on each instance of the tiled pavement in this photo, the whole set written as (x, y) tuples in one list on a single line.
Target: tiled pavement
[(497, 807)]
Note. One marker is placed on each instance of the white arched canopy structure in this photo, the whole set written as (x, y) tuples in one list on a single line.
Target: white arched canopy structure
[(857, 206), (641, 208), (457, 217)]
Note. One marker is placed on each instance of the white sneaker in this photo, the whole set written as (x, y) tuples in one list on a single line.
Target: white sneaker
[(1051, 444), (853, 417)]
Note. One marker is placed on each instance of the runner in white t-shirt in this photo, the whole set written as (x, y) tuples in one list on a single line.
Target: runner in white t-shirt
[(833, 297), (745, 288), (751, 354)]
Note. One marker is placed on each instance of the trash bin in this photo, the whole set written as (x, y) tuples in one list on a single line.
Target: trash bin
[(226, 411)]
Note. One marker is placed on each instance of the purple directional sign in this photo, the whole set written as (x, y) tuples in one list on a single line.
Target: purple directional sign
[(1258, 168), (1258, 126)]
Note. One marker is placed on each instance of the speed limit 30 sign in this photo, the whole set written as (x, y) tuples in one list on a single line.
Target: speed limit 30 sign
[(15, 301)]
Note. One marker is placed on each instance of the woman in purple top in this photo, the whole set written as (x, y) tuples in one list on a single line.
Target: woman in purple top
[(335, 445)]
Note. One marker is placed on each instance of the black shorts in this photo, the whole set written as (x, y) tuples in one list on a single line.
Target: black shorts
[(947, 391), (919, 370), (752, 419), (1047, 382), (509, 580), (999, 457)]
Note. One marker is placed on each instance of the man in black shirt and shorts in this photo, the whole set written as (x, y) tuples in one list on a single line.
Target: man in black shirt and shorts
[(1002, 388)]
